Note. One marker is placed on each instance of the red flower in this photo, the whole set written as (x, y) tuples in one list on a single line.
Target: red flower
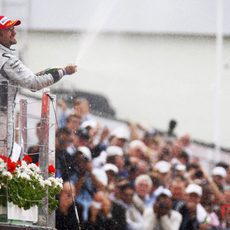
[(4, 158), (11, 166), (51, 169), (37, 163), (27, 159)]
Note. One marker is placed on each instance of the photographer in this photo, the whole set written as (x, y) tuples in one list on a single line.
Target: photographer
[(161, 216), (105, 214), (65, 214), (86, 184)]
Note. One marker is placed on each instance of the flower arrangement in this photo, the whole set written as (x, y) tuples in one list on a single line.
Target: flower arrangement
[(25, 185)]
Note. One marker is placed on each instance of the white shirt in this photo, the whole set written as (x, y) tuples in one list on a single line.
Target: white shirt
[(166, 222)]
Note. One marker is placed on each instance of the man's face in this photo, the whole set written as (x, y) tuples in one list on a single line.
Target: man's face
[(177, 190), (7, 37), (128, 196), (219, 180), (193, 197), (143, 188), (74, 124)]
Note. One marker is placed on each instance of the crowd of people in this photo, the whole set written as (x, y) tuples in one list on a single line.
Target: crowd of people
[(134, 178)]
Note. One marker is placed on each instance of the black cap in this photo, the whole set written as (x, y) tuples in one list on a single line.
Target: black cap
[(83, 133)]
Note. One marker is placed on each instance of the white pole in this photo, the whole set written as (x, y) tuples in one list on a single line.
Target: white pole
[(218, 80)]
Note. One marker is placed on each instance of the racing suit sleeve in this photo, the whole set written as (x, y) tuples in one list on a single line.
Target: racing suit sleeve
[(18, 74)]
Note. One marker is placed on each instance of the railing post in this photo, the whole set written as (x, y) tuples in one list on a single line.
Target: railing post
[(23, 123), (4, 118), (47, 150), (44, 154)]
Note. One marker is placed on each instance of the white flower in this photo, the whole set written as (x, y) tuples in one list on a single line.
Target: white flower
[(7, 174), (24, 175), (59, 182), (34, 168), (42, 182), (2, 165), (23, 166), (47, 182), (1, 161)]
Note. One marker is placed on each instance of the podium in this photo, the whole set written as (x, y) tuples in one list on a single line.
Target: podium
[(17, 227), (46, 219)]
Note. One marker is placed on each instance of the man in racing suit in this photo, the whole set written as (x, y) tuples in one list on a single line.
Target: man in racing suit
[(17, 74)]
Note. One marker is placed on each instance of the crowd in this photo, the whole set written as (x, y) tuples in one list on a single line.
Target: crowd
[(134, 178)]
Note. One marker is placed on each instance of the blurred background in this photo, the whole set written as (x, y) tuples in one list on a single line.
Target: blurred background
[(153, 60)]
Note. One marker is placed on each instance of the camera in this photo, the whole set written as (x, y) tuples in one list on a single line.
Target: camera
[(199, 174), (162, 205)]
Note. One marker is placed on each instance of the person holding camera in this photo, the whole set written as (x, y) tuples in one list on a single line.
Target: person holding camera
[(161, 216), (86, 183), (105, 214), (66, 217)]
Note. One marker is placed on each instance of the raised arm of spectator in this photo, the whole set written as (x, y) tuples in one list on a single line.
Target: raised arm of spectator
[(79, 184), (218, 195), (133, 131)]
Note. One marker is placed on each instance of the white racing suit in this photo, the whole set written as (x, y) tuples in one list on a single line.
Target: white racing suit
[(18, 75)]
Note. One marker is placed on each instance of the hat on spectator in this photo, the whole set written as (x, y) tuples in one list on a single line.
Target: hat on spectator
[(101, 176), (143, 177), (180, 167), (111, 167), (219, 171), (121, 133), (162, 166), (137, 144), (150, 133), (85, 151), (6, 23), (194, 188), (89, 124), (163, 191), (114, 151)]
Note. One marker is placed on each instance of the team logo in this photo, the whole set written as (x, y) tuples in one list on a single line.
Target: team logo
[(4, 20)]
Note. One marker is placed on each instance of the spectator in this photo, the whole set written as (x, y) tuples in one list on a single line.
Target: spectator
[(85, 181), (134, 218), (73, 122), (105, 214), (66, 215), (196, 214), (82, 108), (115, 155), (161, 215), (137, 149), (143, 187), (111, 171), (81, 138), (63, 160), (119, 137), (219, 174), (62, 112), (163, 170)]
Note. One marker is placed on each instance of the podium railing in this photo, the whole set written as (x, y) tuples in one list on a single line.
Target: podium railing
[(45, 220)]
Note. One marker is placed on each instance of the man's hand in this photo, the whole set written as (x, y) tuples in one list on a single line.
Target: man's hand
[(70, 69), (161, 209)]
